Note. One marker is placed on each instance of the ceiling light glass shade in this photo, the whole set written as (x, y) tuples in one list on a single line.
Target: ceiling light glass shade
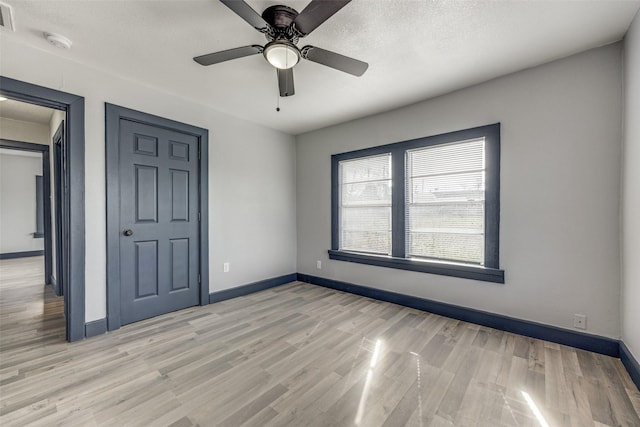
[(282, 55)]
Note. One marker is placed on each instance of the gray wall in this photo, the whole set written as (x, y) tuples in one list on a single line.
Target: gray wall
[(560, 178), (251, 171), (18, 198), (631, 193), (19, 130), (18, 170)]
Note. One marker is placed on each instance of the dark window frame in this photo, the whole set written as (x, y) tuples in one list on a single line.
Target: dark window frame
[(490, 271)]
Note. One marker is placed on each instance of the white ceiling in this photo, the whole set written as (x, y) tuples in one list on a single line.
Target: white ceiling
[(416, 49), (16, 110)]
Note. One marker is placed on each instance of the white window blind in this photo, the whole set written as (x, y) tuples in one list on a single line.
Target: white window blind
[(445, 202), (365, 204)]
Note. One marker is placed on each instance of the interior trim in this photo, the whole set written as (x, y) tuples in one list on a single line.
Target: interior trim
[(74, 293), (595, 343), (629, 362), (465, 271), (95, 327), (24, 254), (261, 285)]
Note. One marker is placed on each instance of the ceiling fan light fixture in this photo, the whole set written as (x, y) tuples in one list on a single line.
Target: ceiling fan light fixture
[(282, 54)]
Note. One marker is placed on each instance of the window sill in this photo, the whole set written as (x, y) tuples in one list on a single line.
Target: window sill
[(465, 271)]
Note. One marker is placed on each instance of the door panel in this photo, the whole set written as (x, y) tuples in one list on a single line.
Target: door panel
[(159, 241), (179, 195), (146, 193), (146, 264), (179, 264)]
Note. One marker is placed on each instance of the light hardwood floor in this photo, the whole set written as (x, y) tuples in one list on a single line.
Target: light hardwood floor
[(295, 355)]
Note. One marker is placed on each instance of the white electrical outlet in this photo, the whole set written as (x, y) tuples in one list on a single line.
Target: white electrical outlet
[(580, 321), (319, 265), (225, 267)]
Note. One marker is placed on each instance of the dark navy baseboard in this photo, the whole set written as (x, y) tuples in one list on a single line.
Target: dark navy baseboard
[(26, 254), (251, 288), (594, 343), (95, 327), (629, 362)]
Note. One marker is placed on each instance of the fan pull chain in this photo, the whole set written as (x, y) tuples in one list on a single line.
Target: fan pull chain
[(286, 61)]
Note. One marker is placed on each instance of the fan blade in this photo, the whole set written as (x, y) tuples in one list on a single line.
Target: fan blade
[(334, 60), (226, 55), (246, 12), (316, 13), (285, 82)]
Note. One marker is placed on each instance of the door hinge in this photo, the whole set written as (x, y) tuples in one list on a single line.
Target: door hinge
[(198, 150), (199, 217), (198, 278)]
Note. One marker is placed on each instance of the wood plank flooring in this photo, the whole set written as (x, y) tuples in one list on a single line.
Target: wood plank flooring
[(296, 355)]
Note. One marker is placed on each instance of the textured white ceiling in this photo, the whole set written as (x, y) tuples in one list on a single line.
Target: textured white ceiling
[(22, 111), (415, 49)]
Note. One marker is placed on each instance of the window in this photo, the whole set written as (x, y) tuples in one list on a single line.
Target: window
[(365, 205), (430, 205), (445, 202)]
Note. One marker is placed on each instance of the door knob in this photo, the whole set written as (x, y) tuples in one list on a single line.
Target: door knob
[(128, 232)]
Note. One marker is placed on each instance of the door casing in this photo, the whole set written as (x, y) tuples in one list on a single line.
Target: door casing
[(114, 114), (57, 144), (73, 196)]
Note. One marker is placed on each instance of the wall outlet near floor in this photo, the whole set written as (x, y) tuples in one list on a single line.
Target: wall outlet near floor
[(319, 265), (225, 267), (580, 321)]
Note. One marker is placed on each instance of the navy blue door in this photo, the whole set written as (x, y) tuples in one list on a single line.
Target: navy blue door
[(159, 242)]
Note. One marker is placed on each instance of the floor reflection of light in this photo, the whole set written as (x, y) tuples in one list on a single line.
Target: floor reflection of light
[(534, 409), (367, 383), (417, 356), (376, 353)]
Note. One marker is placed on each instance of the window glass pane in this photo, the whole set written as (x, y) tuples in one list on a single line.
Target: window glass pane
[(376, 193), (445, 202), (366, 169), (365, 204), (454, 157)]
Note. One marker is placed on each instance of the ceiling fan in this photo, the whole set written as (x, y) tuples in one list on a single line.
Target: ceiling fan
[(283, 26)]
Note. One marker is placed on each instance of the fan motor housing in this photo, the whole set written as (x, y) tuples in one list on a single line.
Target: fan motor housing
[(280, 18)]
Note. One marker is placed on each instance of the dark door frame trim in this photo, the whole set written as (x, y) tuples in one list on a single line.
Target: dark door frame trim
[(57, 145), (46, 191), (73, 105), (114, 114)]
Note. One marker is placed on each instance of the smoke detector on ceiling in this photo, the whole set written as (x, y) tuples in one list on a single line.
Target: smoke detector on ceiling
[(58, 41), (6, 17)]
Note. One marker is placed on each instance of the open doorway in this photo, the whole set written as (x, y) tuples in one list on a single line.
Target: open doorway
[(31, 274), (70, 251)]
